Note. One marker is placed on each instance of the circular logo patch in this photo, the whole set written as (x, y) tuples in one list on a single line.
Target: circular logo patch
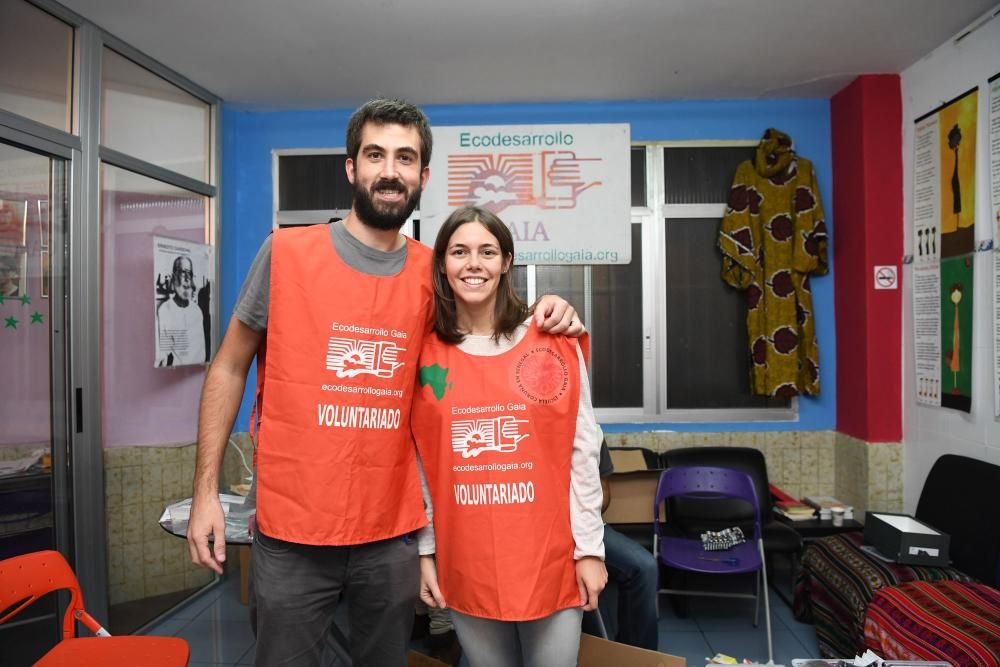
[(542, 375)]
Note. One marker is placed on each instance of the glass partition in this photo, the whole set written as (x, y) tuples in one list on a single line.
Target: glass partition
[(146, 116), (150, 409), (137, 393), (32, 202), (36, 75)]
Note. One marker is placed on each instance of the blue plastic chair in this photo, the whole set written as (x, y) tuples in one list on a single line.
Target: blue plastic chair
[(709, 483)]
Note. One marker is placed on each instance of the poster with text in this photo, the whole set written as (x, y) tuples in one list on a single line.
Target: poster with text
[(926, 277), (564, 191), (994, 145), (944, 193), (182, 275)]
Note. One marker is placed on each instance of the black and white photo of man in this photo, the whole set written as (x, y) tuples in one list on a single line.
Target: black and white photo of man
[(183, 306)]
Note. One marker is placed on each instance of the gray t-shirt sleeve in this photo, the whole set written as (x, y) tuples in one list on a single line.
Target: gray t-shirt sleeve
[(605, 466), (252, 303)]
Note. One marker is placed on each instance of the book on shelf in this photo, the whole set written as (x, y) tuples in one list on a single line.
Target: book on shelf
[(794, 511), (824, 502)]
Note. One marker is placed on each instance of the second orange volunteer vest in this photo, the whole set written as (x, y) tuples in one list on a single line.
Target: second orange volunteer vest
[(495, 435)]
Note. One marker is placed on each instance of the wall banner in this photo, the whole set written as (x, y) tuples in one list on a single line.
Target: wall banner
[(944, 236), (564, 191)]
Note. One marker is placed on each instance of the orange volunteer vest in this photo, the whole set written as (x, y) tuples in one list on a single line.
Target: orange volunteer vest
[(495, 435), (335, 462)]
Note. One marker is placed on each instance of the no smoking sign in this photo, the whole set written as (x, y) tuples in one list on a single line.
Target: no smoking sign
[(885, 277)]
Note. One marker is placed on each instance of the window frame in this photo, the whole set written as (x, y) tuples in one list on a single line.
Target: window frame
[(652, 218), (280, 218), (659, 215)]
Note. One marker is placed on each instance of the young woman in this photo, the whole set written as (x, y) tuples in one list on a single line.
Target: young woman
[(509, 444)]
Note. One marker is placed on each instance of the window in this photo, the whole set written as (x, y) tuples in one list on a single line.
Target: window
[(148, 117), (311, 187), (707, 361), (136, 394), (668, 337), (36, 80)]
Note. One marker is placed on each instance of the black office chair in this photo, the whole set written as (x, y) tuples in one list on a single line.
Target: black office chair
[(690, 517)]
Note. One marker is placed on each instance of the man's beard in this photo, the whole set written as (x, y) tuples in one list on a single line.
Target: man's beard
[(184, 293), (381, 217)]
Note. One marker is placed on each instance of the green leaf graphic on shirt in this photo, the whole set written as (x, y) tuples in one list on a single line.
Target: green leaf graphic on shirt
[(436, 377)]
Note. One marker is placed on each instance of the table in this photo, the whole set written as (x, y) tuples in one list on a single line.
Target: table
[(813, 529), (174, 520)]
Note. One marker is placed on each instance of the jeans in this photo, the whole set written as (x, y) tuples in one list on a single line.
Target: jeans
[(294, 590), (552, 641), (634, 570)]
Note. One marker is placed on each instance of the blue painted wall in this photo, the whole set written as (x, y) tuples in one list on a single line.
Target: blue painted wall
[(250, 136)]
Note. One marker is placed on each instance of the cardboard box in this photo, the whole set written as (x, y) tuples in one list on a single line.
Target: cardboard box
[(596, 652), (905, 540), (633, 488), (414, 659)]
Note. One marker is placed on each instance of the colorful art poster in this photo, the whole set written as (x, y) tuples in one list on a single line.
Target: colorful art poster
[(957, 143), (564, 191), (995, 217), (956, 332), (945, 242)]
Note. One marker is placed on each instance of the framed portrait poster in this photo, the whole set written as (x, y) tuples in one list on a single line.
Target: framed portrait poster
[(13, 269), (13, 222), (43, 222), (182, 291), (43, 267)]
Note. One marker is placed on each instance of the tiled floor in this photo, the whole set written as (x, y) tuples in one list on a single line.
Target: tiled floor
[(217, 629)]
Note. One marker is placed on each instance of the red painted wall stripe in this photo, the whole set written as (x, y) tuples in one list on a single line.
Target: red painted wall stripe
[(867, 137)]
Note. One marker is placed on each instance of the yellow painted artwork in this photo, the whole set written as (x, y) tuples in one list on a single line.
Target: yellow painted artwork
[(957, 123)]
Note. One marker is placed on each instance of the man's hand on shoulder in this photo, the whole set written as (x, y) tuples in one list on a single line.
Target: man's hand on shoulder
[(555, 315)]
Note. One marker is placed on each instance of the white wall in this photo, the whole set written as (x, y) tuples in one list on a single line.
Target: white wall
[(942, 75)]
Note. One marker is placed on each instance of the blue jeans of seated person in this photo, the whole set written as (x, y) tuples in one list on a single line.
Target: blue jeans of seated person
[(636, 574)]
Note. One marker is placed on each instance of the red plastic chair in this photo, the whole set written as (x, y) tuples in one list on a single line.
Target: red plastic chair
[(24, 579)]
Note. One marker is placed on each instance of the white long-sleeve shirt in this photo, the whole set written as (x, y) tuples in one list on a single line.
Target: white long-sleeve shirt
[(585, 496)]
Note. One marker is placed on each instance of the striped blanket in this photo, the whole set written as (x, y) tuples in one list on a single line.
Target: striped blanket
[(951, 621), (837, 580)]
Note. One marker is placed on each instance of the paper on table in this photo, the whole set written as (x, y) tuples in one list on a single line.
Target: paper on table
[(905, 524), (181, 510), (17, 466)]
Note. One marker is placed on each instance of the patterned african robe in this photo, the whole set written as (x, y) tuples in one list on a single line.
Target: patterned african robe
[(773, 237)]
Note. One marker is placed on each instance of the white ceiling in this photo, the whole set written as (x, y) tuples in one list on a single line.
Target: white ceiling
[(331, 53)]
